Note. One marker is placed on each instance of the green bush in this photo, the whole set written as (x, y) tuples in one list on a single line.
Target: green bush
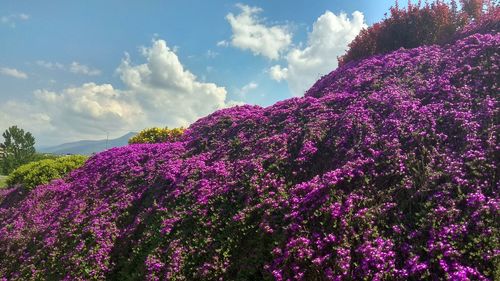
[(43, 156), (3, 181), (42, 172)]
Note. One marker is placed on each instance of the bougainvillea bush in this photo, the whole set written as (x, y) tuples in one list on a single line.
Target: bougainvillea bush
[(386, 170)]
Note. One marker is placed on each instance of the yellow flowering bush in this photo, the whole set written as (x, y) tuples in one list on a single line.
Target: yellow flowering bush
[(157, 135)]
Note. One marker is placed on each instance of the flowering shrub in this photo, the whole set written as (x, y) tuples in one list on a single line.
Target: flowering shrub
[(434, 23), (157, 135), (385, 170), (487, 23), (43, 171)]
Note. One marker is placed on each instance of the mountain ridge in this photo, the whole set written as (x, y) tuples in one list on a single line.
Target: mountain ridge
[(87, 147)]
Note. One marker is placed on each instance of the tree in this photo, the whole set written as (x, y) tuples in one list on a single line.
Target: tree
[(18, 149), (473, 8)]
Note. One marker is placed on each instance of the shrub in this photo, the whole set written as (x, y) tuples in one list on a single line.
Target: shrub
[(3, 182), (42, 172), (434, 23), (157, 135), (43, 156), (385, 170)]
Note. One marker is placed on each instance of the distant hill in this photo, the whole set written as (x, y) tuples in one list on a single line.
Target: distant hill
[(87, 147)]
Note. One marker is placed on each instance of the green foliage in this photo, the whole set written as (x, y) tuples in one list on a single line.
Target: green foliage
[(17, 149), (3, 181), (41, 172), (43, 156), (157, 135)]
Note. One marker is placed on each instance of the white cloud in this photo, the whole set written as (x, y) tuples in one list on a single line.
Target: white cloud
[(74, 67), (250, 34), (12, 19), (78, 68), (88, 109), (211, 54), (222, 43), (90, 99), (278, 73), (12, 72), (168, 93), (159, 92), (24, 16), (247, 88), (328, 39), (27, 116), (50, 65)]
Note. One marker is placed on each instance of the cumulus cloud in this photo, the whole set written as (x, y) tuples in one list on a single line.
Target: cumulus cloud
[(89, 108), (26, 115), (328, 39), (249, 33), (278, 73), (168, 93), (78, 68), (158, 92), (11, 19), (12, 72), (75, 113)]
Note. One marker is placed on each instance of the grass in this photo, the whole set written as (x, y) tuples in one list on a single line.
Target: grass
[(3, 181)]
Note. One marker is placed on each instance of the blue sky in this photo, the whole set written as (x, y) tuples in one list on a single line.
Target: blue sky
[(73, 70)]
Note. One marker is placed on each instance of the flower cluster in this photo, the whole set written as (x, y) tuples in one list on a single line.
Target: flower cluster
[(386, 170)]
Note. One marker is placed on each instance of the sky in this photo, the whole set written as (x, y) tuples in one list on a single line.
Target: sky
[(73, 70)]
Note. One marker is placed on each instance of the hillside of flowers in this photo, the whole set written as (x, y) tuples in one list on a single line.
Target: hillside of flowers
[(387, 169)]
